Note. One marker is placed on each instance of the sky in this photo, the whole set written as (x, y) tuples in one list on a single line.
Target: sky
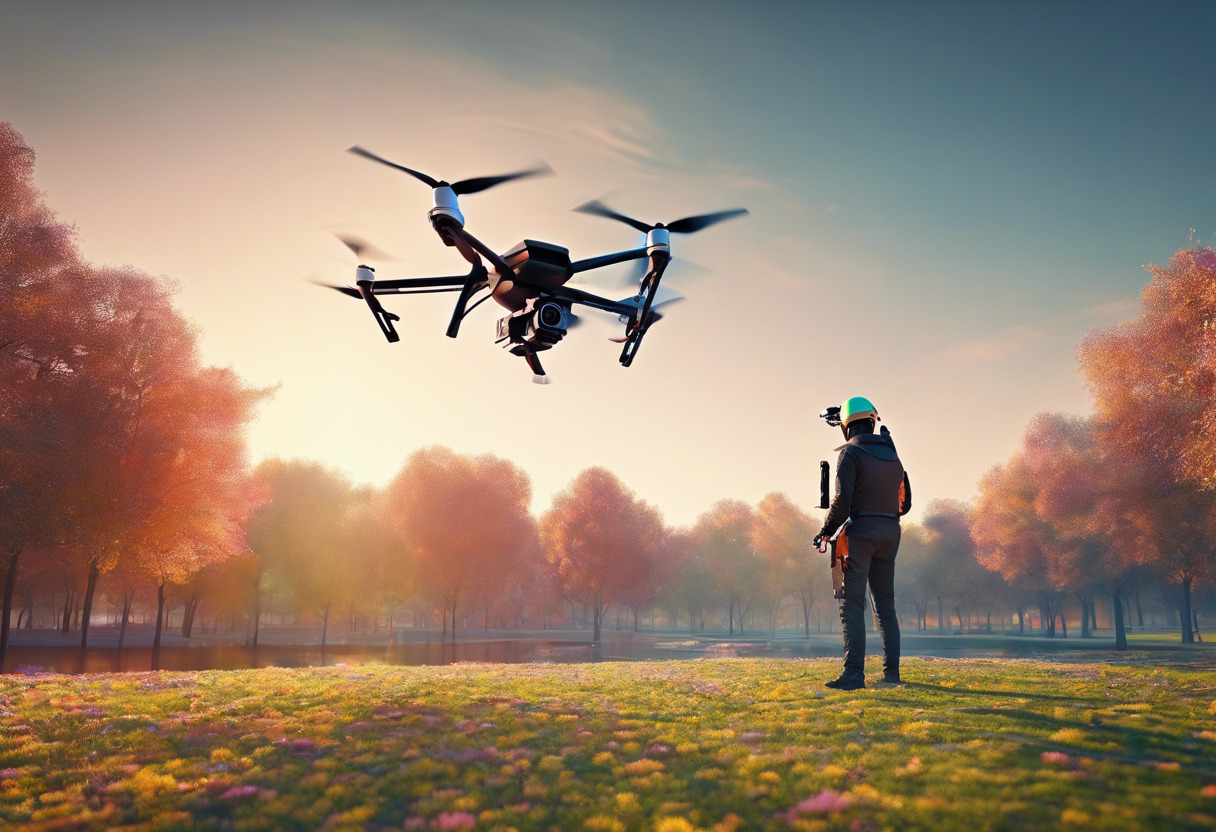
[(944, 199)]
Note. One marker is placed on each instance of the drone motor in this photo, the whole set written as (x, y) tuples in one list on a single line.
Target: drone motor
[(446, 205)]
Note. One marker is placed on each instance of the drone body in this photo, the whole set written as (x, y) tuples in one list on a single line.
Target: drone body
[(529, 280)]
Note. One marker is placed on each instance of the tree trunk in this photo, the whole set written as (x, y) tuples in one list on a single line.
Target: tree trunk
[(1195, 618), (1063, 624), (597, 613), (257, 609), (160, 611), (188, 615), (1021, 621), (127, 600), (1084, 616), (731, 613), (10, 584), (66, 621), (806, 615), (325, 626), (87, 612), (1139, 610), (1184, 613), (941, 616), (1116, 608)]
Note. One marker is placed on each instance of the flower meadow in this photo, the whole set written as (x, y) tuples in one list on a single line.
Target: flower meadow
[(676, 746)]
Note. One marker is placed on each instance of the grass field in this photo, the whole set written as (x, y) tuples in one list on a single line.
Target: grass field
[(721, 744)]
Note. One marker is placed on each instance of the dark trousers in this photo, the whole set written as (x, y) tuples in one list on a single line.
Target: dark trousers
[(873, 544)]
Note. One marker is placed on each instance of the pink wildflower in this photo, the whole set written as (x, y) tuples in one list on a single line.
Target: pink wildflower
[(454, 820), (241, 793), (821, 804), (1058, 758), (10, 773)]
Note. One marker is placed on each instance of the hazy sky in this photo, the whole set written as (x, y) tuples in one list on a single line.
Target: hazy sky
[(945, 197)]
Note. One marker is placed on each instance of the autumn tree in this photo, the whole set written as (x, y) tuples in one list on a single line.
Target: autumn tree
[(724, 534), (43, 421), (782, 535), (602, 540), (1153, 382), (1049, 520), (691, 587), (464, 519), (921, 574)]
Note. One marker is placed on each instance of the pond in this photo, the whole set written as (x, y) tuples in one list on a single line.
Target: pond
[(201, 654)]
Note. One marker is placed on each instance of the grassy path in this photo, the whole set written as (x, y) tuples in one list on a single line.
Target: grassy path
[(722, 744)]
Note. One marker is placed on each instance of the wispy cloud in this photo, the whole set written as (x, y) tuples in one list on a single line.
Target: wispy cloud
[(1021, 337)]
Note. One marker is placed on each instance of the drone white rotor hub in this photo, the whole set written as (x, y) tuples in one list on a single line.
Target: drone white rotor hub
[(658, 239), (446, 205), (365, 274)]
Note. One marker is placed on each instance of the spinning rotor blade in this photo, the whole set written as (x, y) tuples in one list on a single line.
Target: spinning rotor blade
[(690, 224), (599, 209), (464, 186), (685, 226), (362, 249), (419, 175), (346, 290), (481, 183)]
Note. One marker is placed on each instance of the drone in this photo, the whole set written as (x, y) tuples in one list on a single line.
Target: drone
[(529, 280)]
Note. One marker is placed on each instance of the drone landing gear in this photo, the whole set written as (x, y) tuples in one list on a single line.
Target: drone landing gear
[(538, 372)]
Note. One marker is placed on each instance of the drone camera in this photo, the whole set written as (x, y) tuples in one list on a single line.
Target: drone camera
[(551, 316), (831, 416)]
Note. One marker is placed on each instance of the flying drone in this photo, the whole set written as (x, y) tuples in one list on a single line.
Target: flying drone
[(528, 280)]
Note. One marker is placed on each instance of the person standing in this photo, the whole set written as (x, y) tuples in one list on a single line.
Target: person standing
[(872, 492)]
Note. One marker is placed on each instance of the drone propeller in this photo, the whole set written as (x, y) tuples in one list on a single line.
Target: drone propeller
[(364, 277), (687, 225), (461, 188), (364, 250)]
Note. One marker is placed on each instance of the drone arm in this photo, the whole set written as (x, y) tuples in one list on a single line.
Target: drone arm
[(411, 285), (569, 293), (607, 260), (481, 248)]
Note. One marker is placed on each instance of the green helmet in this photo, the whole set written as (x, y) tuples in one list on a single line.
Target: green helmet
[(858, 407)]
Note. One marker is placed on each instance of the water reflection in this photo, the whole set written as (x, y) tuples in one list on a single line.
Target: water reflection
[(203, 656)]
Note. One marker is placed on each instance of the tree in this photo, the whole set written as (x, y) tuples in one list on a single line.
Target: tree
[(464, 519), (691, 587), (194, 496), (1154, 386), (602, 540), (921, 572), (724, 534), (42, 409), (782, 535), (1010, 537), (303, 533)]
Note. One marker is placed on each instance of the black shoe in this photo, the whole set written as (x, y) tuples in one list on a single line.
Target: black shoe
[(891, 679), (846, 682)]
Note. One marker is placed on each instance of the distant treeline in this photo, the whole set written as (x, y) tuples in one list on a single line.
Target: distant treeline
[(125, 486)]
